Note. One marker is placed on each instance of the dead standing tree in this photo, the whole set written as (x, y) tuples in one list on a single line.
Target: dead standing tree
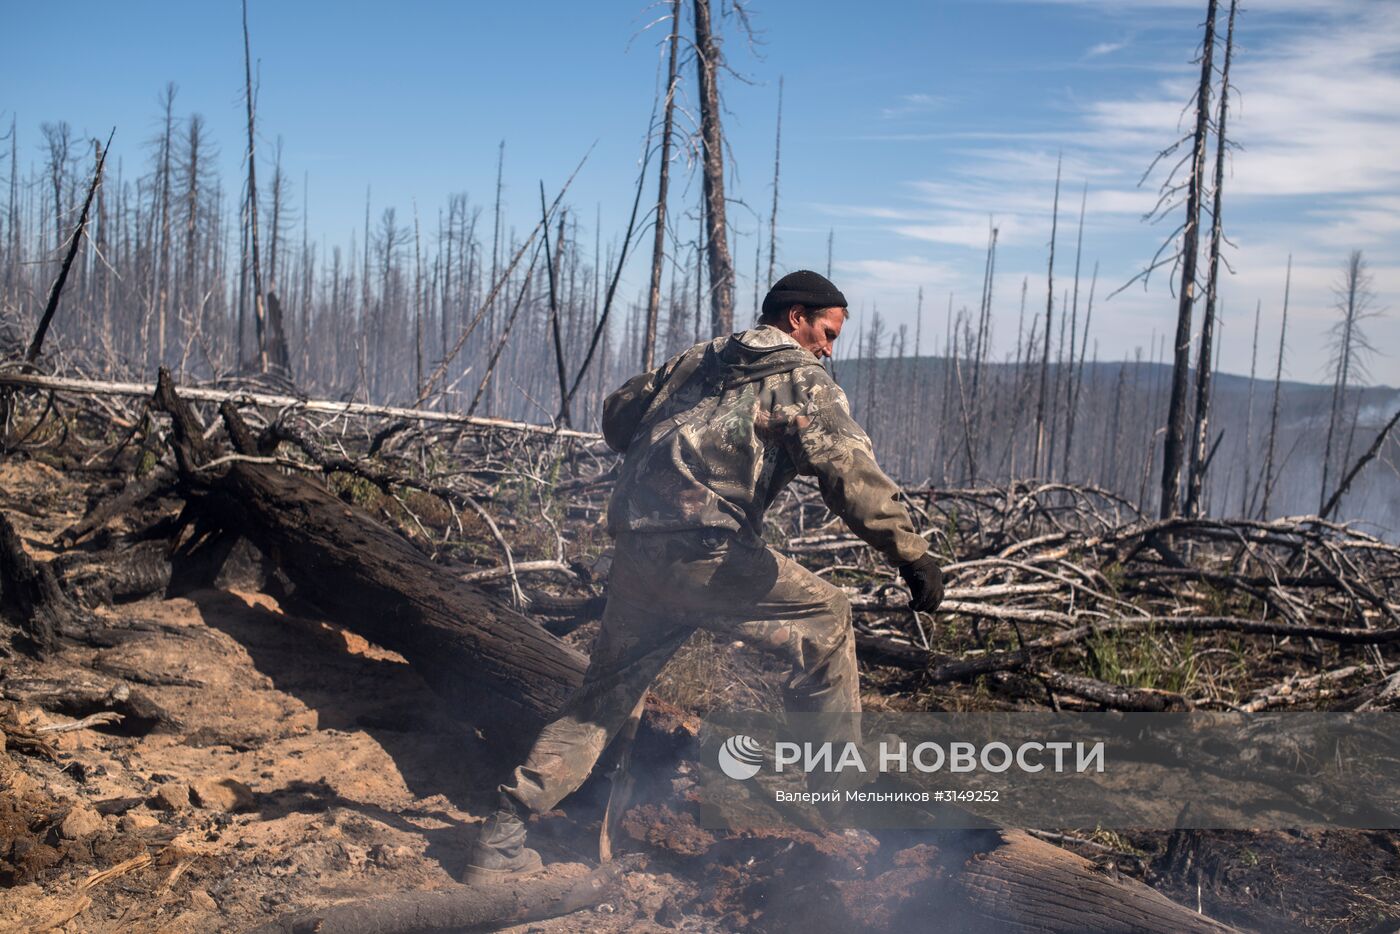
[(1267, 481), (1199, 457), (1173, 447), (272, 345), (1037, 466), (658, 247), (721, 264), (1349, 343), (259, 312), (31, 355)]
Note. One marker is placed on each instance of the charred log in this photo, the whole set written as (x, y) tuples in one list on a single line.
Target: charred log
[(90, 693), (116, 575), (491, 665), (459, 908)]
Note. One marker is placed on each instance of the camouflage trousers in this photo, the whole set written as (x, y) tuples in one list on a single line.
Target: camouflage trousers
[(663, 587)]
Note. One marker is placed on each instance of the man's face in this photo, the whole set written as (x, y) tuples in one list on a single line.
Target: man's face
[(819, 334)]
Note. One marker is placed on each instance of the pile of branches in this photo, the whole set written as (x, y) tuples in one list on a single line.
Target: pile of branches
[(1058, 595), (1087, 601)]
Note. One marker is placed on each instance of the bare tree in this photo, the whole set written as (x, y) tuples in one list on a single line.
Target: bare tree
[(259, 310), (1074, 330), (721, 265), (658, 247), (1199, 459), (777, 164), (1268, 479), (193, 167), (56, 292), (1037, 467), (160, 270), (1078, 380), (1350, 348), (58, 141), (1247, 445), (1173, 450)]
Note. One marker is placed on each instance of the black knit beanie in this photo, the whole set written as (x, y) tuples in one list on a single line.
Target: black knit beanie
[(803, 287)]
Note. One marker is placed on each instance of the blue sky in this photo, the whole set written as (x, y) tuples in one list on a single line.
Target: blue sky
[(905, 126)]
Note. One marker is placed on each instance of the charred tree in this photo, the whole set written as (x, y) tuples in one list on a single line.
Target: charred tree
[(1354, 299), (773, 215), (721, 264), (1203, 366), (30, 596), (658, 245), (259, 310), (1038, 467), (1267, 482), (36, 345), (1173, 450)]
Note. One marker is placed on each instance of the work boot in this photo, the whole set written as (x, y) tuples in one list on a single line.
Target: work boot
[(500, 852)]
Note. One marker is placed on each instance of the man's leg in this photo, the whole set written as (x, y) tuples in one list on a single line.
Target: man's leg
[(632, 647), (635, 640), (625, 660)]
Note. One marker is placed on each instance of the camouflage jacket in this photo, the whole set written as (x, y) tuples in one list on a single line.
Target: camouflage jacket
[(712, 436)]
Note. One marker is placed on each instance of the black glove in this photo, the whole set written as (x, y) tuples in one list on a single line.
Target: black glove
[(925, 580)]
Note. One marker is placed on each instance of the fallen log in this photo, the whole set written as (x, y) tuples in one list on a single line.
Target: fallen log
[(493, 667), (458, 908), (84, 694), (1021, 886), (1111, 696), (327, 406)]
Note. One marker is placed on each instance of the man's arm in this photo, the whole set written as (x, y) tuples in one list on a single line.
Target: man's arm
[(825, 442)]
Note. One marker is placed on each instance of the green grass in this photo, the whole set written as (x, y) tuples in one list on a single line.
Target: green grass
[(1146, 659)]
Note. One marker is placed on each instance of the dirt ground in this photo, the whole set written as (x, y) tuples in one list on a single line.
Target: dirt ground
[(307, 766)]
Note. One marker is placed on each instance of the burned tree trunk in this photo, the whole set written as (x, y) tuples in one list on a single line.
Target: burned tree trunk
[(457, 908), (1267, 481), (31, 356), (658, 248), (1028, 885), (492, 666), (1198, 453), (1174, 446), (721, 265)]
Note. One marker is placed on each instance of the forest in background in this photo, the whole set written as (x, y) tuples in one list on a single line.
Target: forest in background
[(459, 307)]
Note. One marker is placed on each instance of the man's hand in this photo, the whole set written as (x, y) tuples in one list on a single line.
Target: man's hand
[(925, 580)]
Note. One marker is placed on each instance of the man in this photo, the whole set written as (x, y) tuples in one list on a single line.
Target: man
[(710, 439)]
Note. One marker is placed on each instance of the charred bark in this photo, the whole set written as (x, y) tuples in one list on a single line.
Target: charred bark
[(30, 596), (458, 908), (1174, 446), (1029, 885)]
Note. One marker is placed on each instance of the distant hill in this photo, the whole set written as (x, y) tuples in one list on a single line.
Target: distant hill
[(914, 413)]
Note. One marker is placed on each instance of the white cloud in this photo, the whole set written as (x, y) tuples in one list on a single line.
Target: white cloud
[(910, 104), (863, 278), (1104, 48)]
